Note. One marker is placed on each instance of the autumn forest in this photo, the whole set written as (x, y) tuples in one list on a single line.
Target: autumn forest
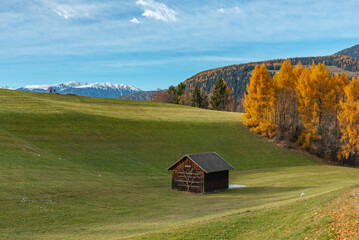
[(306, 106)]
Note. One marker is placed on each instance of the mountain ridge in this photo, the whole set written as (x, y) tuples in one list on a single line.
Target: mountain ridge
[(104, 90), (351, 51)]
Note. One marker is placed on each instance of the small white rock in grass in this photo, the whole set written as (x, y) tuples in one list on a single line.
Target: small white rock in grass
[(302, 194), (99, 175), (24, 199), (60, 158)]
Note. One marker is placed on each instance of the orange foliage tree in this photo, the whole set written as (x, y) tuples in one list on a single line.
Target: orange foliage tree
[(259, 103), (317, 103), (349, 119), (285, 107), (310, 106), (341, 82), (306, 108)]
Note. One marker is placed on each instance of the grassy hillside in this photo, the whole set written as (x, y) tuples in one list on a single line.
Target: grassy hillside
[(314, 218), (88, 168)]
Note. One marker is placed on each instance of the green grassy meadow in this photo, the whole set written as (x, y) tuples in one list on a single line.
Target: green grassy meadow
[(90, 168)]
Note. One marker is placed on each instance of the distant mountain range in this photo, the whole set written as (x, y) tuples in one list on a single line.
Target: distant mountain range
[(351, 52), (103, 90)]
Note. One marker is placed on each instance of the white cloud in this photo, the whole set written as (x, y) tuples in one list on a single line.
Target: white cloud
[(106, 26), (65, 11), (157, 10), (234, 10), (135, 20), (73, 9)]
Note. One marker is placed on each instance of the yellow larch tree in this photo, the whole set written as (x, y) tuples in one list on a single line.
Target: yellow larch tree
[(325, 89), (341, 82), (286, 111), (259, 103), (298, 70), (349, 120), (316, 90), (307, 108), (327, 146)]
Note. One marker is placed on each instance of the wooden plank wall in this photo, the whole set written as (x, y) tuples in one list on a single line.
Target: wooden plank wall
[(187, 176)]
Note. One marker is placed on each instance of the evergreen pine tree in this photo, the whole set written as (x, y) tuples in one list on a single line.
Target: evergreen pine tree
[(197, 100), (180, 91), (220, 95)]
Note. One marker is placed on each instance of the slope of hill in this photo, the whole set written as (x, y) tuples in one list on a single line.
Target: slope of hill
[(237, 76), (74, 167), (140, 96), (104, 90), (351, 52)]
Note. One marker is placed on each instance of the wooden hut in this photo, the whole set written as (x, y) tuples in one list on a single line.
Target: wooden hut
[(200, 173)]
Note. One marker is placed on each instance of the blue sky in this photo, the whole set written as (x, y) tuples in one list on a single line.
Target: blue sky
[(156, 43)]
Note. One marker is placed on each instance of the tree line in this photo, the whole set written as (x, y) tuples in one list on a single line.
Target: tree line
[(219, 98), (237, 76), (307, 106)]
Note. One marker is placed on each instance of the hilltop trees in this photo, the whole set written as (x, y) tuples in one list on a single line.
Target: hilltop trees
[(180, 90), (172, 95), (221, 96), (197, 98), (307, 106), (177, 92)]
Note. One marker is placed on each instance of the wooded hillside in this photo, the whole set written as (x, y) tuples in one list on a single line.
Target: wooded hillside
[(237, 76), (139, 96), (351, 52)]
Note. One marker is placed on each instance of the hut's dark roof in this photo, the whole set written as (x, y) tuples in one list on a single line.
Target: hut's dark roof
[(208, 162)]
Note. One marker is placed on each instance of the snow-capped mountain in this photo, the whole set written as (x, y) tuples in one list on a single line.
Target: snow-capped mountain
[(104, 90), (7, 87)]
